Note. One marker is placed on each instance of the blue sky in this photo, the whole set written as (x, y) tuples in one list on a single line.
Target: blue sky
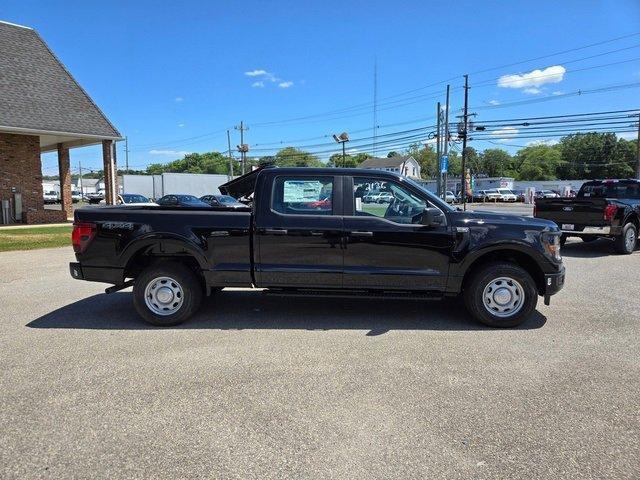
[(166, 72)]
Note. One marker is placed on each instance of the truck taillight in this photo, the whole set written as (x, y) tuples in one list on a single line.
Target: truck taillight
[(610, 212), (83, 233)]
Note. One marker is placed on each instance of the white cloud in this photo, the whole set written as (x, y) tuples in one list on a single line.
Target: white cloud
[(550, 141), (628, 135), (557, 92), (256, 73), (504, 134), (172, 153), (181, 125), (258, 84), (533, 79), (494, 102), (178, 99), (286, 84), (532, 91)]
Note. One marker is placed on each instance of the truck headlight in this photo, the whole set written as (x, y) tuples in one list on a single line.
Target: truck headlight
[(551, 244)]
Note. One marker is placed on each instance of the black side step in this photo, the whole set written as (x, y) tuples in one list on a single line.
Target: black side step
[(386, 294)]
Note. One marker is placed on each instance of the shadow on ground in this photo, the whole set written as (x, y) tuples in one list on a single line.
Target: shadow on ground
[(238, 310), (576, 248)]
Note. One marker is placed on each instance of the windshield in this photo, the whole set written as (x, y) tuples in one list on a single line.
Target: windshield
[(226, 199), (432, 198), (188, 199), (131, 198), (610, 190)]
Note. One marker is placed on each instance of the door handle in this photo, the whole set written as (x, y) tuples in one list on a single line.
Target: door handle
[(361, 234), (275, 231)]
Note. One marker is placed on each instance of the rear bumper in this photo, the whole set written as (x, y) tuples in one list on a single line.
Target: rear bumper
[(589, 231), (96, 274)]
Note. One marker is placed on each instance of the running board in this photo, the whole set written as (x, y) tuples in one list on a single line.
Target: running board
[(386, 294)]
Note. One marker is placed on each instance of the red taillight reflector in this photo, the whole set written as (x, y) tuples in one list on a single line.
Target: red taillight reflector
[(83, 233), (610, 211)]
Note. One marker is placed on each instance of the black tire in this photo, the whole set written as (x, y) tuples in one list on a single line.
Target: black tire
[(190, 289), (621, 244), (475, 287), (563, 240)]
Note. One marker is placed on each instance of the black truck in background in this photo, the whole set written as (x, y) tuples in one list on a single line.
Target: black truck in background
[(309, 232), (602, 208)]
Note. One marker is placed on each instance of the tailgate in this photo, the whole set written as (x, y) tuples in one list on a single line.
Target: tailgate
[(577, 211)]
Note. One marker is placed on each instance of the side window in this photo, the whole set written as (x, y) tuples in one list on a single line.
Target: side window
[(303, 195), (384, 199)]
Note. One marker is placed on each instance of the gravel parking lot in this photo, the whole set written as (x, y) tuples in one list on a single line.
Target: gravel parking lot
[(271, 387)]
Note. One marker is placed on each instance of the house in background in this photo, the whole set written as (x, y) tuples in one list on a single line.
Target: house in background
[(405, 165), (43, 109)]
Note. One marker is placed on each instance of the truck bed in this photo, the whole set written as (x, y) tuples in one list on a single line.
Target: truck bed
[(219, 239)]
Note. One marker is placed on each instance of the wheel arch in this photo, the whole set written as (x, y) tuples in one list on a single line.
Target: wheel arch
[(512, 255)]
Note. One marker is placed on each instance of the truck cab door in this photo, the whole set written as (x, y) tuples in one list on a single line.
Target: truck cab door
[(298, 232), (386, 245)]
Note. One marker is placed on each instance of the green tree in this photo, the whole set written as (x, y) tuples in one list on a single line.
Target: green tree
[(495, 162), (293, 157), (590, 155), (392, 154), (426, 157), (537, 162)]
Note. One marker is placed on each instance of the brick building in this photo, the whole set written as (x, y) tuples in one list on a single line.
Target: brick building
[(43, 109)]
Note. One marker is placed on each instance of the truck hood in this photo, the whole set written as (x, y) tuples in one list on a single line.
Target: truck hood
[(470, 218)]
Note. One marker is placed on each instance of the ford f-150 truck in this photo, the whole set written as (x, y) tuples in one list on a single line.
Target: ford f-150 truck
[(309, 232), (602, 208)]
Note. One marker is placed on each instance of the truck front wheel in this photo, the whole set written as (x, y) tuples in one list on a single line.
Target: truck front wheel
[(501, 295), (167, 293), (626, 243)]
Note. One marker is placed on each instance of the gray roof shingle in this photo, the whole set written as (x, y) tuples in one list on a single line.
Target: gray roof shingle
[(37, 92)]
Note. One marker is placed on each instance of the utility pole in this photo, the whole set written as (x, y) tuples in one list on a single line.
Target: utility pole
[(242, 148), (375, 105), (80, 177), (438, 137), (230, 157), (465, 119), (126, 153), (446, 141), (638, 152)]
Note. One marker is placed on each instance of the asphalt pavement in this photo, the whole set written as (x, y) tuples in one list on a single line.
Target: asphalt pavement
[(272, 387)]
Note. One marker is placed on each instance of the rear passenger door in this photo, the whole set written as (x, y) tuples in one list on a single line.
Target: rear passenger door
[(299, 232)]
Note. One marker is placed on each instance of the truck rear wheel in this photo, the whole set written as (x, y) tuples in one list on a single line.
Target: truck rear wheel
[(626, 243), (501, 295), (167, 293)]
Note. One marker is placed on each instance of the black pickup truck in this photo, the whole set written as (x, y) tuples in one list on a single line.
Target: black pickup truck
[(601, 208), (309, 232)]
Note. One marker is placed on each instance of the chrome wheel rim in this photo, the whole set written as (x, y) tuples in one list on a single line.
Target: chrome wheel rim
[(630, 239), (163, 296), (503, 297)]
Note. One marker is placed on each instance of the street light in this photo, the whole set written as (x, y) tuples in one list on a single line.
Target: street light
[(342, 138)]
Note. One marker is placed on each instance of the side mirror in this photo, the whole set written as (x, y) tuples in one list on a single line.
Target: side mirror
[(432, 217)]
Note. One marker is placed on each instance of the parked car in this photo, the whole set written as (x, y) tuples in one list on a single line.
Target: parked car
[(50, 196), (546, 194), (181, 200), (131, 199), (507, 195), (491, 195), (418, 247), (76, 196), (602, 208), (224, 201), (384, 197), (95, 197), (520, 195), (450, 197)]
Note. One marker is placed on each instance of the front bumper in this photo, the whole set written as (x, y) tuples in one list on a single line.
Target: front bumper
[(553, 283)]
